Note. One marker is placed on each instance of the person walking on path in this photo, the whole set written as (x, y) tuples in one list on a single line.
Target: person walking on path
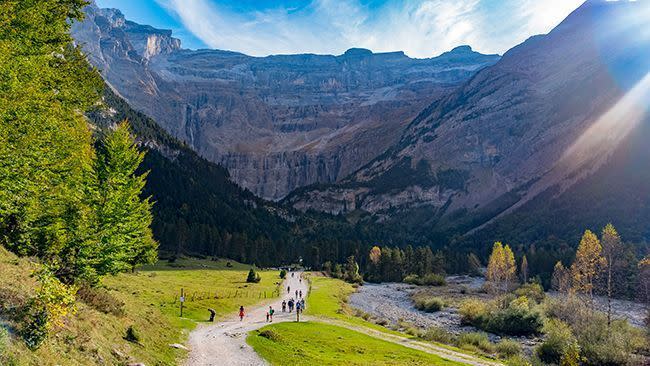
[(288, 289), (301, 294), (302, 304), (284, 306), (241, 313), (296, 294), (271, 312)]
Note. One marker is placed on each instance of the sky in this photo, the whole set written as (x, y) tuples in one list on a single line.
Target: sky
[(420, 28)]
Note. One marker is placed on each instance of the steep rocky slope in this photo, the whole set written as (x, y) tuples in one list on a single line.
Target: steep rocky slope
[(549, 114), (278, 122)]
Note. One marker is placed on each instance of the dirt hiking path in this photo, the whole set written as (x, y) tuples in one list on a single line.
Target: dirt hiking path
[(224, 343)]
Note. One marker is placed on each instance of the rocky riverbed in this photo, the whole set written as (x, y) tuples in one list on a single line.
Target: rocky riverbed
[(392, 302)]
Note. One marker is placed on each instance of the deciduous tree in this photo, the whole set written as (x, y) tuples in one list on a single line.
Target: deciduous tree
[(588, 264)]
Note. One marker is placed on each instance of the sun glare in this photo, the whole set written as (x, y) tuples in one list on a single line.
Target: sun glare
[(612, 128)]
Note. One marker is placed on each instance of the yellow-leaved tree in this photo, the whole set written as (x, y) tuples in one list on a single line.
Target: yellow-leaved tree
[(496, 266), (510, 267), (502, 268), (587, 266)]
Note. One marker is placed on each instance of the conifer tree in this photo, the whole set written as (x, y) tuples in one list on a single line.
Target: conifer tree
[(524, 269), (587, 266)]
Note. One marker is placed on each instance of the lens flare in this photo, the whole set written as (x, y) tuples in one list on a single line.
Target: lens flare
[(604, 135)]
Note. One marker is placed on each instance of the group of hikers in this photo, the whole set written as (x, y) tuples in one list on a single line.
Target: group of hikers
[(299, 305)]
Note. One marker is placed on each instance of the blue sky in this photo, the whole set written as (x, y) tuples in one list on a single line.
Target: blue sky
[(421, 28)]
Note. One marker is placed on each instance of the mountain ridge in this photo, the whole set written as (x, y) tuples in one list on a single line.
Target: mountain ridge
[(277, 122), (503, 137)]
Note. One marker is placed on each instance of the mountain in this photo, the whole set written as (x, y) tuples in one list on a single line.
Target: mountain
[(546, 125), (278, 122)]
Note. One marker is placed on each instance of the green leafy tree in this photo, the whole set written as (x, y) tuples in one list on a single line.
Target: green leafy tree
[(123, 218), (46, 148)]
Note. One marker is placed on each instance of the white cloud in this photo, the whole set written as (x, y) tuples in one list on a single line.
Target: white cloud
[(421, 28)]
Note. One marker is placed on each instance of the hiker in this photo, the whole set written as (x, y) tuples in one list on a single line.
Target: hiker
[(300, 293), (288, 289), (271, 312), (290, 305), (298, 307), (267, 316), (296, 294), (241, 313), (291, 274), (284, 306), (302, 304)]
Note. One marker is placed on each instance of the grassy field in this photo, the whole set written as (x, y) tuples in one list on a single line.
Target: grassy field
[(312, 343), (150, 300), (328, 297)]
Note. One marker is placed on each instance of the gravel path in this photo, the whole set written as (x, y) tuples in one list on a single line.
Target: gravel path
[(224, 343)]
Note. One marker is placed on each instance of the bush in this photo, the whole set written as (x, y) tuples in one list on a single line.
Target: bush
[(4, 341), (430, 305), (34, 325), (283, 274), (132, 335), (558, 340), (508, 348), (532, 291), (270, 334), (518, 360), (101, 300), (472, 312), (436, 334), (519, 317), (430, 279), (476, 340), (616, 346), (253, 277)]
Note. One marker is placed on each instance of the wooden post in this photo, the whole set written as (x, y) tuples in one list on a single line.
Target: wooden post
[(182, 301)]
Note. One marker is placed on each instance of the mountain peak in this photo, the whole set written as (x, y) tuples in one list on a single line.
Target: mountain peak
[(462, 49), (358, 52)]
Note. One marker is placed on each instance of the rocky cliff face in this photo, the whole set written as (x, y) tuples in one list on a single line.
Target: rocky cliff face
[(549, 114), (278, 122)]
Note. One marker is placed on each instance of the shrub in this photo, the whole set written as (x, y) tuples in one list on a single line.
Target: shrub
[(518, 360), (4, 340), (615, 346), (532, 291), (270, 334), (472, 311), (519, 317), (283, 274), (132, 335), (430, 279), (558, 339), (508, 348), (430, 305), (253, 277), (101, 300), (52, 303), (477, 340), (34, 325), (436, 334)]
